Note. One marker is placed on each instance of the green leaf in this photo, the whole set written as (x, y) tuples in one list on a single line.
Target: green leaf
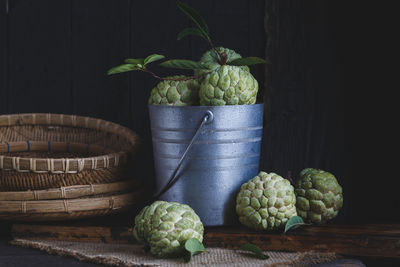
[(256, 250), (124, 68), (191, 31), (293, 223), (135, 61), (152, 58), (195, 17), (247, 61), (183, 64), (193, 247)]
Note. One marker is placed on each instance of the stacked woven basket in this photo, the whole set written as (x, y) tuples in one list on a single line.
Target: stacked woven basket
[(56, 167)]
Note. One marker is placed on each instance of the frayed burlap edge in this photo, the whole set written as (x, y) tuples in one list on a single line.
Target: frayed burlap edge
[(302, 259)]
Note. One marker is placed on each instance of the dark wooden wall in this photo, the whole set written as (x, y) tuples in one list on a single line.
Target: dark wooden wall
[(54, 56)]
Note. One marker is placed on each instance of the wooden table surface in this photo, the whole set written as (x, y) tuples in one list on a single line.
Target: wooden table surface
[(369, 240), (371, 244)]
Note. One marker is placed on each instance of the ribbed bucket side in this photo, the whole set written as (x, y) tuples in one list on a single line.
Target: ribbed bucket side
[(225, 154)]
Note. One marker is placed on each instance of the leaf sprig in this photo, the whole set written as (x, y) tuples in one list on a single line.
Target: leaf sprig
[(140, 64), (255, 250), (135, 64), (202, 31), (192, 247), (293, 223), (183, 64)]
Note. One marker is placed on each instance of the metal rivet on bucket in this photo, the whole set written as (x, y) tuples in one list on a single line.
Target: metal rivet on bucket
[(210, 116)]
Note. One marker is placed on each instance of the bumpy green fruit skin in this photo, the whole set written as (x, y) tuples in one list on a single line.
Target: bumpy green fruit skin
[(165, 227), (210, 59), (228, 85), (266, 202), (319, 196), (175, 93)]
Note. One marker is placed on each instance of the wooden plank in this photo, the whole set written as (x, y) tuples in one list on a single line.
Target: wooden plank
[(3, 58), (257, 43), (148, 38), (365, 242), (305, 110), (38, 55), (353, 240), (74, 233), (100, 40)]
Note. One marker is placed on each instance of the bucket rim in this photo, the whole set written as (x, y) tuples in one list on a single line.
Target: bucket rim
[(206, 107)]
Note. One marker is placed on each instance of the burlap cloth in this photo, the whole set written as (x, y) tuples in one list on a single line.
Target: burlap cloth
[(133, 255)]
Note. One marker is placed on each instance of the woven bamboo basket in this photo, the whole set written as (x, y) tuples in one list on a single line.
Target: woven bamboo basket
[(41, 151), (65, 209), (68, 192)]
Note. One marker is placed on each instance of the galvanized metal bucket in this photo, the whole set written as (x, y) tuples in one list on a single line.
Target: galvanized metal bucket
[(202, 155)]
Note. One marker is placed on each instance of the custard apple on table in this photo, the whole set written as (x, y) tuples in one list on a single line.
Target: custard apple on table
[(319, 196), (265, 202), (166, 226), (175, 92)]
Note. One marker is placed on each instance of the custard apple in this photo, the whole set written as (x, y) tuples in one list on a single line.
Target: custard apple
[(211, 60), (319, 196), (166, 226), (267, 201), (228, 85), (175, 93)]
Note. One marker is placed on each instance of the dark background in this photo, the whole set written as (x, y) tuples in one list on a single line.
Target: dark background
[(316, 85)]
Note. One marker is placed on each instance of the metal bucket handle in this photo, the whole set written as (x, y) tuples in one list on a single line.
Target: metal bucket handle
[(207, 118)]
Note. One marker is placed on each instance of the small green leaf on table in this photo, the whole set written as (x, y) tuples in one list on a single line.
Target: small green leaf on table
[(293, 223), (193, 246), (183, 64), (247, 61), (124, 68), (256, 250), (152, 58)]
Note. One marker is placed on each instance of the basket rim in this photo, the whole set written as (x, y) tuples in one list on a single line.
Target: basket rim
[(79, 164), (67, 120)]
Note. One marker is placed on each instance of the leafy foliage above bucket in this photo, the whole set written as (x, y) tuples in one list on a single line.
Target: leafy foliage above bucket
[(221, 77)]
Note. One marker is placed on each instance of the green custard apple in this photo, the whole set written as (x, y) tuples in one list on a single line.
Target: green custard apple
[(319, 196), (228, 85), (166, 226), (225, 84), (266, 202), (175, 93)]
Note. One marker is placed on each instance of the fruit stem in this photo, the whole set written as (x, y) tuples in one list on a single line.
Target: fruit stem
[(223, 58)]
